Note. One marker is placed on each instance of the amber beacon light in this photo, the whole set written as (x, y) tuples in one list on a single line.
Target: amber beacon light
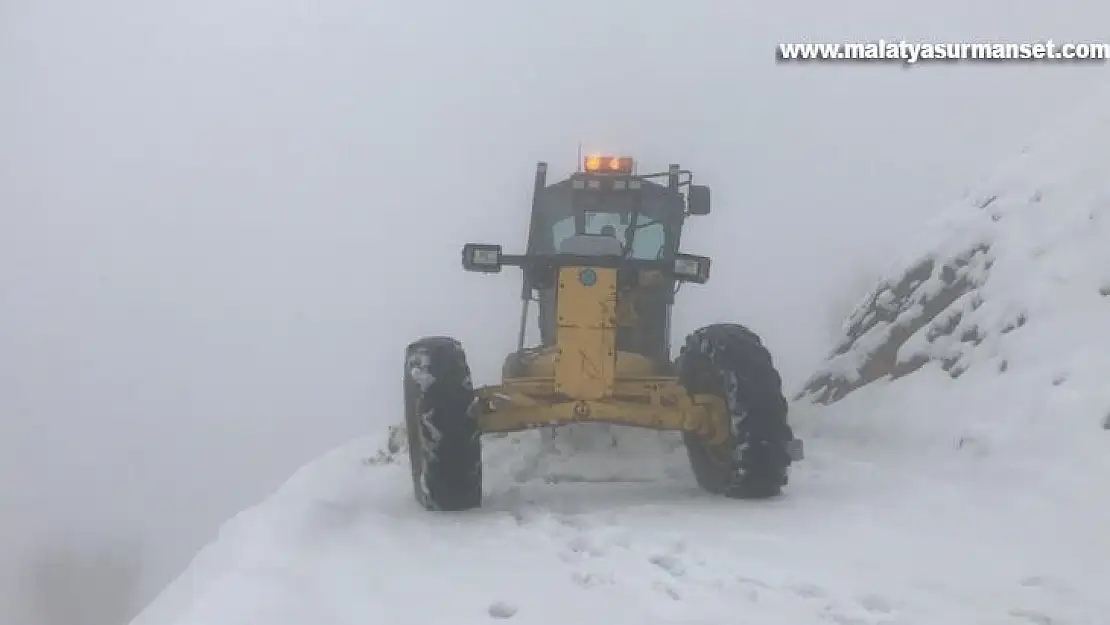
[(597, 164)]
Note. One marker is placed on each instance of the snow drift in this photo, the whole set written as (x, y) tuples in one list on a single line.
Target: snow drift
[(956, 470)]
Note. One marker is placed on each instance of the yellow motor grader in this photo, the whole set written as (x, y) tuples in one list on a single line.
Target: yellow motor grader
[(603, 266)]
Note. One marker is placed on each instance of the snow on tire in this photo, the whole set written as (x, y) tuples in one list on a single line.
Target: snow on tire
[(730, 361), (445, 447)]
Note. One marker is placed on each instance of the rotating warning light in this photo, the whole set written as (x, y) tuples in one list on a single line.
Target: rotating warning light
[(598, 164)]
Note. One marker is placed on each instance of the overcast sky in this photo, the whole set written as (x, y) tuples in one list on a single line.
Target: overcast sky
[(221, 221)]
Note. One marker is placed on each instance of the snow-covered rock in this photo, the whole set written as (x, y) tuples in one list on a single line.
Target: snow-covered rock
[(1014, 277)]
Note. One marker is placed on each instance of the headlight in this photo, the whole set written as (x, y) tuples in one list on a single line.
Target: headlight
[(686, 267), (690, 268), (482, 258)]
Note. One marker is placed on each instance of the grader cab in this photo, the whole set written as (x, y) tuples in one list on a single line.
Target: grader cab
[(602, 265)]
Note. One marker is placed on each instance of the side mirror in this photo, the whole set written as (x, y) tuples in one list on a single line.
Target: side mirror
[(697, 199), (690, 268), (481, 258)]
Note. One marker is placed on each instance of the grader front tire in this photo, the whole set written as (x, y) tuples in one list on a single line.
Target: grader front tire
[(731, 362), (445, 447)]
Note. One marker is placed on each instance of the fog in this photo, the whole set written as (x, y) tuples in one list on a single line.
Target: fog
[(221, 221)]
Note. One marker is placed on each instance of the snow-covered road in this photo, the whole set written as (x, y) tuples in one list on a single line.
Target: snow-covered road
[(865, 535)]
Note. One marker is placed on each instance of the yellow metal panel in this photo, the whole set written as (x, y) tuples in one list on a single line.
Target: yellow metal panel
[(659, 403), (585, 364)]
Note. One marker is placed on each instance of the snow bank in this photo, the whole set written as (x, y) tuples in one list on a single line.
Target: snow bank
[(955, 471)]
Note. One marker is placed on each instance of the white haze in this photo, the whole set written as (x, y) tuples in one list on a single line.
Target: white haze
[(220, 222)]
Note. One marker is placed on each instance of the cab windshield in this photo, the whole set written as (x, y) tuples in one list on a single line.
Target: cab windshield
[(648, 237)]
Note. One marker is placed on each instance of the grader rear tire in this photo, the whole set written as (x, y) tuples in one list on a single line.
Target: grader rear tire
[(445, 447), (731, 362)]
